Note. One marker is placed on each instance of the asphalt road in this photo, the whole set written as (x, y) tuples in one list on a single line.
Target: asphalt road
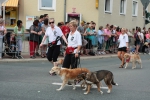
[(31, 81)]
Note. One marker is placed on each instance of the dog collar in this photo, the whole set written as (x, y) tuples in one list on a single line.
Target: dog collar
[(128, 60)]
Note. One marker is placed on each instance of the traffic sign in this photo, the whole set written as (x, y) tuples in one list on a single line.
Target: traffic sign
[(145, 3)]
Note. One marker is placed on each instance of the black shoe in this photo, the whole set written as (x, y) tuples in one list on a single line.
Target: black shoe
[(20, 57), (37, 54), (32, 57)]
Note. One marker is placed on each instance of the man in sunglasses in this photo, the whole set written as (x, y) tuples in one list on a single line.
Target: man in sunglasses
[(54, 34)]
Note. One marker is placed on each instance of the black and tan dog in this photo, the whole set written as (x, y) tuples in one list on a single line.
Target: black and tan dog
[(95, 78)]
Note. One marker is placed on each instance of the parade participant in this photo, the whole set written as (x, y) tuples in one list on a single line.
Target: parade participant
[(73, 48), (3, 31), (123, 46), (19, 31), (54, 34)]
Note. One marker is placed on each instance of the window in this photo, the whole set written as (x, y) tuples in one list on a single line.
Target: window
[(47, 4), (108, 6), (122, 6), (135, 8)]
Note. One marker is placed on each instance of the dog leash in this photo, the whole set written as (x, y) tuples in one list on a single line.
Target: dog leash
[(77, 61)]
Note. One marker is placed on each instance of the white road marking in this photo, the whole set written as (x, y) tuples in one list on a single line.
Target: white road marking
[(78, 85)]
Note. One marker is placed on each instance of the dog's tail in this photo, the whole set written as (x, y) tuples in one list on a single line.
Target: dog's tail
[(113, 83)]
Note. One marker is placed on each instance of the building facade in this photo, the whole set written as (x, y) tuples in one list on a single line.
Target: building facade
[(123, 13)]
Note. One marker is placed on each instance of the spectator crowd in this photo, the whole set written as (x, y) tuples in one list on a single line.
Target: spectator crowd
[(94, 42)]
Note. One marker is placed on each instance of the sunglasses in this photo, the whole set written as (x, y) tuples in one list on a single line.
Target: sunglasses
[(51, 22)]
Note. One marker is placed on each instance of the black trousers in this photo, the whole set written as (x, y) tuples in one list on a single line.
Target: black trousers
[(53, 53), (70, 60)]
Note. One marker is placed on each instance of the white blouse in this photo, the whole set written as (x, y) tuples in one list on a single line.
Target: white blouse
[(74, 40), (53, 34)]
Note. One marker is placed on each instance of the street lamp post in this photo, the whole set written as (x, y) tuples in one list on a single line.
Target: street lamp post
[(1, 1)]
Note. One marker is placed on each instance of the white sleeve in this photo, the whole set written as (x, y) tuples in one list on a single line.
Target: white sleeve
[(139, 33), (127, 40), (79, 40), (47, 31), (59, 32), (99, 32)]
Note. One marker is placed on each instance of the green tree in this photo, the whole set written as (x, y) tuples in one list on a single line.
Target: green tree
[(147, 17)]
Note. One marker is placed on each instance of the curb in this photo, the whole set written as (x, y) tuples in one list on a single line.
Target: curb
[(39, 59)]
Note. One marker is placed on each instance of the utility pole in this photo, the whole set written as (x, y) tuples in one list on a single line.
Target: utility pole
[(65, 10), (1, 1)]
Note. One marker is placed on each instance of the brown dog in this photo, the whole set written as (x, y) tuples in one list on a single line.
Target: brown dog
[(68, 75), (132, 58), (96, 77)]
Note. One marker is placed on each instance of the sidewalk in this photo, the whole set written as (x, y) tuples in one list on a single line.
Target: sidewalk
[(26, 58)]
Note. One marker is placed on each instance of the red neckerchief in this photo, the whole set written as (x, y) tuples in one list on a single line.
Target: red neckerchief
[(128, 60)]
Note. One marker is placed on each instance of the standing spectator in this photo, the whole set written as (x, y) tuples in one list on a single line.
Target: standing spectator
[(59, 25), (101, 35), (94, 25), (123, 46), (45, 16), (19, 31), (118, 31), (88, 33), (40, 36), (41, 20), (131, 37), (144, 33), (53, 33), (65, 29), (148, 36), (81, 30), (45, 43), (134, 34), (138, 40), (142, 41), (107, 37), (35, 31), (113, 39), (73, 48), (3, 31)]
